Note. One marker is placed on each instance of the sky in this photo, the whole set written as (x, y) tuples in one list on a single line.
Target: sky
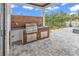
[(70, 8)]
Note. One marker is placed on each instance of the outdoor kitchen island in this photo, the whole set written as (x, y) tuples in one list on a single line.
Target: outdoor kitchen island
[(19, 34)]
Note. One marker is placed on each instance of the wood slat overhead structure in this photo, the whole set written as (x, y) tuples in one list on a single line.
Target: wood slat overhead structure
[(39, 4)]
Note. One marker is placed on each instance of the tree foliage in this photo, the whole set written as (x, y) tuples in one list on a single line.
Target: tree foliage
[(57, 20)]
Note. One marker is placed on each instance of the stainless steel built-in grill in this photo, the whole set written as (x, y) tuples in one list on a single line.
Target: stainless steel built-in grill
[(30, 32), (31, 28)]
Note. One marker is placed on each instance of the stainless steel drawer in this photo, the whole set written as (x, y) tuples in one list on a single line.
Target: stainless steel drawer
[(31, 37), (44, 34)]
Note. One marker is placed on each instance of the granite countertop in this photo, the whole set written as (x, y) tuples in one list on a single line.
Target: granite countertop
[(17, 29), (43, 26)]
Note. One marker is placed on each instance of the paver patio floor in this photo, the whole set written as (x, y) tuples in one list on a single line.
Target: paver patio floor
[(62, 42)]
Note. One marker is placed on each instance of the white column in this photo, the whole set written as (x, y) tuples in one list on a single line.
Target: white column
[(43, 15), (8, 27), (1, 30)]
